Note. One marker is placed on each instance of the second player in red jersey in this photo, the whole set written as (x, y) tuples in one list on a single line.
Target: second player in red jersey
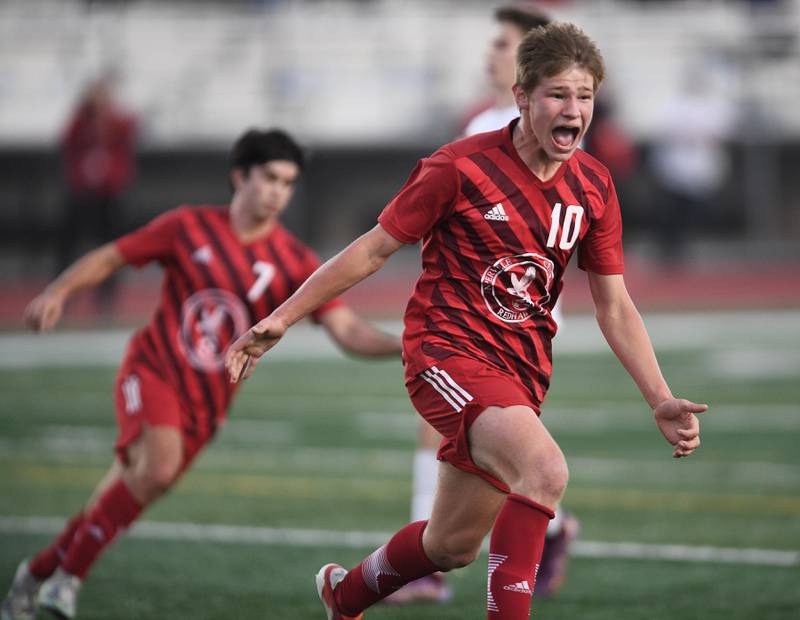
[(214, 287), (223, 267), (499, 216)]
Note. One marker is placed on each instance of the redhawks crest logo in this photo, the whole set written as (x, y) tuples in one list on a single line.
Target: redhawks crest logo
[(210, 320), (516, 287)]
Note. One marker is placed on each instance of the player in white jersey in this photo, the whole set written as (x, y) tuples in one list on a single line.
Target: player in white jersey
[(512, 24)]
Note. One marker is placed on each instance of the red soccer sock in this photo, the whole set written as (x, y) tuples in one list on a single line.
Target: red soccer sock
[(115, 510), (47, 560), (397, 563), (515, 551)]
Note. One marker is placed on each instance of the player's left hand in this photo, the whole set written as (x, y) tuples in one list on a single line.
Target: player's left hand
[(678, 423), (243, 355)]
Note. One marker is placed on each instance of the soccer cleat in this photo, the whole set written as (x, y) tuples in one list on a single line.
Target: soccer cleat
[(327, 579), (59, 594), (553, 567), (428, 589), (20, 602)]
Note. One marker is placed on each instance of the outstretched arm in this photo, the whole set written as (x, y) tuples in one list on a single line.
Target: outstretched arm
[(361, 258), (44, 311), (625, 333), (358, 336)]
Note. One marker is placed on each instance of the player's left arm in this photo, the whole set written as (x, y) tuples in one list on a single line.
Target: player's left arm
[(358, 336), (624, 330)]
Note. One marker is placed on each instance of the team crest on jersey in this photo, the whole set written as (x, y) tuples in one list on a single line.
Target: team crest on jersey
[(210, 319), (516, 287)]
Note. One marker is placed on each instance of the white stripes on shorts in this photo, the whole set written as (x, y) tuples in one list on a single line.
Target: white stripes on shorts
[(443, 383), (131, 392)]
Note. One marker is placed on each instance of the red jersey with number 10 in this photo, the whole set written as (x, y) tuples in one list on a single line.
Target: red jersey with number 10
[(496, 242), (214, 288)]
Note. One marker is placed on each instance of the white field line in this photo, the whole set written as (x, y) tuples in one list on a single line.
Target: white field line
[(242, 444), (766, 331), (328, 538)]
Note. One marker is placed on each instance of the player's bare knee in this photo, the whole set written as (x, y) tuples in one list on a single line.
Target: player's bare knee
[(156, 479), (545, 479)]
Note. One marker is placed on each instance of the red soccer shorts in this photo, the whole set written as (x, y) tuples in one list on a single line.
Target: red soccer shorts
[(143, 397), (452, 394)]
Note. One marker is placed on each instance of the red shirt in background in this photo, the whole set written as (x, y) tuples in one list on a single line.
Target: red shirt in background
[(99, 150)]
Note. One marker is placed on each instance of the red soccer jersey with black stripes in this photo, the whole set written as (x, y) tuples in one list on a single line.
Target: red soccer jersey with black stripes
[(214, 288), (495, 243)]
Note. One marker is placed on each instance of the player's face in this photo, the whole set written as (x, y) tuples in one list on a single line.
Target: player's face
[(559, 111), (267, 188), (501, 60)]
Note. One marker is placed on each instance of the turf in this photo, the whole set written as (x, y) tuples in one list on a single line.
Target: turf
[(329, 444)]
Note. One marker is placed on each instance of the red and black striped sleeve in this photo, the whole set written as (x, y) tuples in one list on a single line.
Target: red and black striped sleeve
[(425, 200), (601, 250), (153, 241)]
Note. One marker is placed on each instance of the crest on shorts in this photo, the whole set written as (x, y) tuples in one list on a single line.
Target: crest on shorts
[(210, 320), (517, 287)]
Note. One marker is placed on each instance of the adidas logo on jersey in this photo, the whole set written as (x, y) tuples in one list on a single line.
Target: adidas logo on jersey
[(203, 255), (496, 213), (521, 586)]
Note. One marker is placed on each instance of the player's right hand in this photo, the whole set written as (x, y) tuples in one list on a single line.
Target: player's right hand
[(44, 312), (243, 355)]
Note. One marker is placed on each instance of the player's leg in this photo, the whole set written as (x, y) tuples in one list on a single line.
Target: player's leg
[(510, 445), (151, 455), (148, 466), (425, 470), (563, 529), (152, 465), (513, 445), (21, 601), (513, 450), (44, 563), (156, 461), (463, 512)]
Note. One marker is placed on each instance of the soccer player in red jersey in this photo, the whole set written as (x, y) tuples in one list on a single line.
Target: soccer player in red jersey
[(513, 22), (224, 266), (499, 215)]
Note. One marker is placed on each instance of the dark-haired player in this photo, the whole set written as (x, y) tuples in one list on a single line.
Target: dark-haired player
[(499, 215), (224, 267)]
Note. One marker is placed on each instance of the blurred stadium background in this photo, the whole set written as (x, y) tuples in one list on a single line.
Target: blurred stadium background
[(308, 473)]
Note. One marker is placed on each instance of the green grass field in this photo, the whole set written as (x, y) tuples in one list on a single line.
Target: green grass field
[(327, 445)]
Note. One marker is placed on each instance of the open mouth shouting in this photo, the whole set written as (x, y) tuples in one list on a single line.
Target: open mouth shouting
[(566, 137)]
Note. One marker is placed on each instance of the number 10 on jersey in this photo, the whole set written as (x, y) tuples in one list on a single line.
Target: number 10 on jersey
[(571, 228)]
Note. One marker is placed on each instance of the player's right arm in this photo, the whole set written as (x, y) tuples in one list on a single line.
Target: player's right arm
[(44, 311), (361, 258)]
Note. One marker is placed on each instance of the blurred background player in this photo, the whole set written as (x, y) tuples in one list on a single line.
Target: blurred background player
[(690, 161), (512, 23), (478, 327), (224, 268), (98, 151)]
